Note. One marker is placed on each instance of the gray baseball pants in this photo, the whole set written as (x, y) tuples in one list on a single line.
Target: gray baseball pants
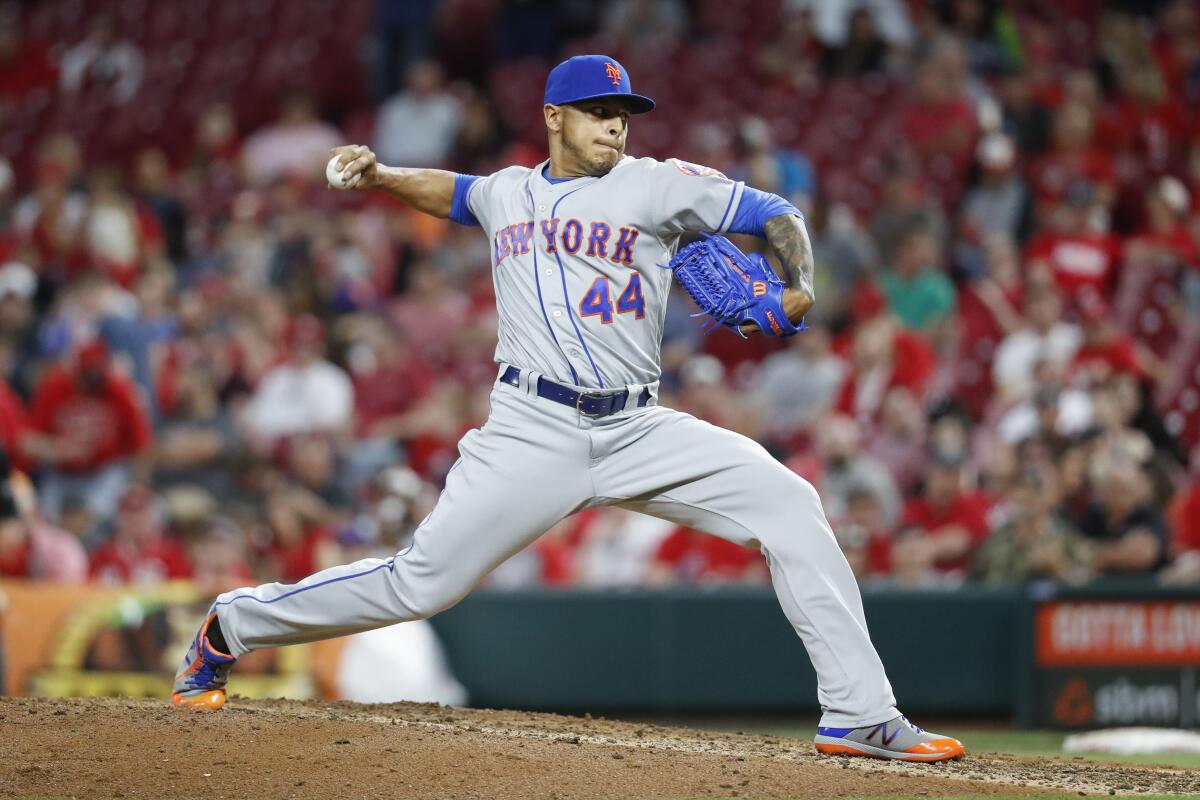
[(536, 461)]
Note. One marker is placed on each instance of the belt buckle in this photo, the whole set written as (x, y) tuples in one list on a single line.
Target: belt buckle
[(579, 404)]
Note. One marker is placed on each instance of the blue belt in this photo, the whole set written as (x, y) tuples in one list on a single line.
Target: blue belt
[(590, 404)]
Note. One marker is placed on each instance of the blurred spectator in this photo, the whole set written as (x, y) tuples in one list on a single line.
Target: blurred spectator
[(305, 394), (140, 550), (51, 217), (1129, 534), (864, 536), (103, 63), (13, 422), (25, 63), (863, 51), (905, 205), (400, 142), (1033, 542), (1081, 257), (845, 255), (1051, 413), (87, 428), (999, 203), (770, 168), (791, 56), (898, 439), (1073, 160), (690, 557), (940, 530), (796, 386), (18, 323), (617, 547), (121, 236), (917, 289), (643, 23), (297, 145), (301, 541), (834, 19), (1045, 337), (402, 33), (1104, 349), (1024, 118), (30, 547), (883, 356), (1184, 522), (220, 556), (481, 136), (938, 120), (1165, 241), (196, 444), (155, 193), (848, 469), (390, 381), (314, 463)]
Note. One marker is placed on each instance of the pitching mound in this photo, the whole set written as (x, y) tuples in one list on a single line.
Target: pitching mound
[(274, 749)]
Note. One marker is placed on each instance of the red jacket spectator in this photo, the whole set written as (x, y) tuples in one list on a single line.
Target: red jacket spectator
[(694, 557), (13, 422), (944, 514), (1184, 519), (92, 411), (165, 559), (1105, 349), (140, 550), (1078, 261), (25, 65), (883, 350)]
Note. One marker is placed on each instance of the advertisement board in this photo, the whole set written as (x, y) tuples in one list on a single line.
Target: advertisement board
[(1100, 662)]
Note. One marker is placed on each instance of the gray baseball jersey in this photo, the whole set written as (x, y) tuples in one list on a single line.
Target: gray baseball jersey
[(581, 287), (581, 297)]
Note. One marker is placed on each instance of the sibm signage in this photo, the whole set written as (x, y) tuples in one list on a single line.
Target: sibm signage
[(1100, 663)]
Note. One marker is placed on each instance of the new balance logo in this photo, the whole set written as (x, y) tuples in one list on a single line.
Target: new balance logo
[(881, 728)]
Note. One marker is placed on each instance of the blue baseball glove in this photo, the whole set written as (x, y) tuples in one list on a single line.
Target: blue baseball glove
[(731, 287)]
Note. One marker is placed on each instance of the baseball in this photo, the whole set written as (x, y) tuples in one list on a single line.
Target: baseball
[(336, 177)]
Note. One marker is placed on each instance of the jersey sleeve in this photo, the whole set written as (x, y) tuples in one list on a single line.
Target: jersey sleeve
[(690, 197), (460, 210), (471, 197)]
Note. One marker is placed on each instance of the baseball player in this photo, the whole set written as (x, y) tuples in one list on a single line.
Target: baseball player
[(577, 243)]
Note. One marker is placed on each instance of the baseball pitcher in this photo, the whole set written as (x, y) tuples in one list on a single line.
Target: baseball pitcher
[(578, 245)]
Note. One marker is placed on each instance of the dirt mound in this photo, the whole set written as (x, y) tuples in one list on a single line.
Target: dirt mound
[(270, 748)]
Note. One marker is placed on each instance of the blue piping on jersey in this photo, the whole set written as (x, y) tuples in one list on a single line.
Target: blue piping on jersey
[(389, 564), (538, 283), (728, 206), (570, 306)]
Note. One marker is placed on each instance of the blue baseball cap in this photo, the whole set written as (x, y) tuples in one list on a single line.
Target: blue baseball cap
[(591, 77)]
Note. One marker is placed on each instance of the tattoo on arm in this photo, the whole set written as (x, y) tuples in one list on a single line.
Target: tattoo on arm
[(788, 237)]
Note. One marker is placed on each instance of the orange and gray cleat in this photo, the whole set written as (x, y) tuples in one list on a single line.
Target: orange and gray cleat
[(200, 683), (897, 739)]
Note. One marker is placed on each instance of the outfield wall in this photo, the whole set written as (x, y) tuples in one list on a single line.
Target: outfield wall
[(1124, 653)]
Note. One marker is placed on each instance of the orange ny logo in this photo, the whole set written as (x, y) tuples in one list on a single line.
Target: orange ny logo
[(613, 72), (760, 288)]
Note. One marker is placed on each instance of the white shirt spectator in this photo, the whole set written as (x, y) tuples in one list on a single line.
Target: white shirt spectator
[(289, 149), (116, 64), (831, 19), (1074, 417), (401, 142), (296, 399), (1021, 351)]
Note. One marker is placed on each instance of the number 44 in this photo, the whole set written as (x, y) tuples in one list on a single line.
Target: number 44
[(598, 303)]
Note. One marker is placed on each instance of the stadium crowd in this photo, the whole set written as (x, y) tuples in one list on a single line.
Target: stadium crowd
[(217, 368)]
